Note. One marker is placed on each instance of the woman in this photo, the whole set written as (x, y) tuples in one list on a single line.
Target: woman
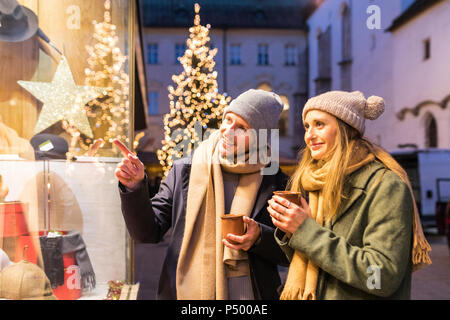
[(360, 236)]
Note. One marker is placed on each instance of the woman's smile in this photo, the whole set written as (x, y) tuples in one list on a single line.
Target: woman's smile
[(316, 146)]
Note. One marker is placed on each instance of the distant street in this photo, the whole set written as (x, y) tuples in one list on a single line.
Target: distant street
[(433, 282)]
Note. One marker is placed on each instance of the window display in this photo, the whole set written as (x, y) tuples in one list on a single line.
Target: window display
[(65, 95)]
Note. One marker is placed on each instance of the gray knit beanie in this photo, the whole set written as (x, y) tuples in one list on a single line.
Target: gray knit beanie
[(261, 109), (350, 107)]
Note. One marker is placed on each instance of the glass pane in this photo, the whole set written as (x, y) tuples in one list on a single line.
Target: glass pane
[(235, 54), (152, 54), (64, 85), (94, 209), (263, 55), (180, 48)]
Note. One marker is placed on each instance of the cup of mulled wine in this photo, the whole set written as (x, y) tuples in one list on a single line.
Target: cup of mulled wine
[(291, 196), (234, 224)]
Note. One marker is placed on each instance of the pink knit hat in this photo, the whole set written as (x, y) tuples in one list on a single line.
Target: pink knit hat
[(350, 107)]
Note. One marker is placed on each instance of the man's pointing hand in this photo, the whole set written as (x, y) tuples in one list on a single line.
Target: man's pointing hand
[(130, 171)]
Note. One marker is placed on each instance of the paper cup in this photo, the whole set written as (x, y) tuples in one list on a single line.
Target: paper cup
[(291, 196), (232, 223)]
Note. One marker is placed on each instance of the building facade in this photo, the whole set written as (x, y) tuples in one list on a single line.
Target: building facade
[(260, 45), (421, 74), (396, 49)]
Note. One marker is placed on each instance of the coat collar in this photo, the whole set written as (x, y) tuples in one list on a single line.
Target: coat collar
[(356, 185)]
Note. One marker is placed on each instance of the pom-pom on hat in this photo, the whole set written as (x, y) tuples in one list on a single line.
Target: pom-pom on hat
[(351, 107)]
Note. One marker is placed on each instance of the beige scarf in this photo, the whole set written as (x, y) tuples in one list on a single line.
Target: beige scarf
[(302, 277), (204, 262)]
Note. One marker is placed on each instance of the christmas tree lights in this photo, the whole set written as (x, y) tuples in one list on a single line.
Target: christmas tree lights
[(195, 98), (108, 114)]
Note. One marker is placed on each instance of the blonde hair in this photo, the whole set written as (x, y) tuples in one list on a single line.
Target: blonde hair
[(337, 161)]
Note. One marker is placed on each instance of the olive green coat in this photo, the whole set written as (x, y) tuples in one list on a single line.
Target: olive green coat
[(372, 231)]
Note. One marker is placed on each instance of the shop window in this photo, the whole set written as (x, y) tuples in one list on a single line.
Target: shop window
[(65, 96)]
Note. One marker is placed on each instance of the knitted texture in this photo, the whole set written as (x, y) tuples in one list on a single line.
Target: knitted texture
[(261, 109), (350, 107)]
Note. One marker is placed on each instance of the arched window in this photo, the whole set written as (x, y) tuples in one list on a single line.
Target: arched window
[(283, 122), (346, 48), (431, 134)]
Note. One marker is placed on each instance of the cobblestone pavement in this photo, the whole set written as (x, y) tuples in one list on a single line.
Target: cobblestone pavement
[(432, 282)]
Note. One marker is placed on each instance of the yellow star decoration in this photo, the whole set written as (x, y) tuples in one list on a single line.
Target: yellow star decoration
[(63, 99)]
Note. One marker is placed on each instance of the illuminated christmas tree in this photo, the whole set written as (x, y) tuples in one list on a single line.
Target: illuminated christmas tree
[(108, 114), (195, 102)]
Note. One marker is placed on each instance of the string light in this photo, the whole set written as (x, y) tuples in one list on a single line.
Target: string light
[(195, 97)]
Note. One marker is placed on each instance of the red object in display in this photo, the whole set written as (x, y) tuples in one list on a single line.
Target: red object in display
[(71, 289), (12, 215), (29, 254), (14, 225)]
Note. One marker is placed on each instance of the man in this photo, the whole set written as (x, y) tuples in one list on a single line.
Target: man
[(197, 191)]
